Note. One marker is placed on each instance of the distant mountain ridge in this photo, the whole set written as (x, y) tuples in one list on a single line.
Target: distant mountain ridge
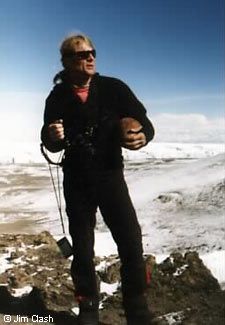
[(29, 152)]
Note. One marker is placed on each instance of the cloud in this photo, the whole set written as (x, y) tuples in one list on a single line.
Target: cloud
[(187, 99), (206, 104), (21, 116), (188, 128)]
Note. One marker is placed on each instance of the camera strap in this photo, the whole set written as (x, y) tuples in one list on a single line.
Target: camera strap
[(48, 159), (57, 190)]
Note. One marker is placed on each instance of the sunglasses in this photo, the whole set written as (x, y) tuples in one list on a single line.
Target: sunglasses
[(80, 55)]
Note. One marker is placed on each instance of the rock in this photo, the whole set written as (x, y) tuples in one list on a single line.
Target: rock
[(170, 200), (37, 280), (110, 272), (182, 291), (208, 198), (37, 262), (213, 195)]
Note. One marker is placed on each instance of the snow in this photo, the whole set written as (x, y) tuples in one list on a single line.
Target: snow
[(75, 310), (108, 288), (4, 262), (215, 262), (21, 291), (173, 318)]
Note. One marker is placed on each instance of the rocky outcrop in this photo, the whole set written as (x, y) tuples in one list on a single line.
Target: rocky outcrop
[(206, 198), (35, 280)]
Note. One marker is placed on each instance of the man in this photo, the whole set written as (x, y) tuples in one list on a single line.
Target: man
[(91, 117)]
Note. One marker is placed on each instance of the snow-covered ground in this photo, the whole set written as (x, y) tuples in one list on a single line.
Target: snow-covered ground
[(180, 202)]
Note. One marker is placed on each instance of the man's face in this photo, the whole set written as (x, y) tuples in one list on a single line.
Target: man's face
[(82, 63)]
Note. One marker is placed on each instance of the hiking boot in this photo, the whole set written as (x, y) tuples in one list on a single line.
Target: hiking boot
[(136, 311), (88, 314)]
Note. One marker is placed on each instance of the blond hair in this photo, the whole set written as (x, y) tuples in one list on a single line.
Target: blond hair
[(68, 44)]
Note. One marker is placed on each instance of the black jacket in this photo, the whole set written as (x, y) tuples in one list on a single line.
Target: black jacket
[(92, 128)]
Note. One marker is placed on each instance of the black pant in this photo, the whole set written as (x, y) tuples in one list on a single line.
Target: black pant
[(84, 192)]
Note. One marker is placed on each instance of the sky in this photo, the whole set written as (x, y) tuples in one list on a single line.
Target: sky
[(170, 53)]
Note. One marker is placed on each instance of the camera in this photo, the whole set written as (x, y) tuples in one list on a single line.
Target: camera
[(81, 145)]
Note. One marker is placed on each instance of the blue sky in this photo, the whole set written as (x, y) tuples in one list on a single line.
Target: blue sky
[(170, 52)]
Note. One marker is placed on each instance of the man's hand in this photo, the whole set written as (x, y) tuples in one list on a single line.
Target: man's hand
[(132, 136), (56, 131), (134, 141)]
